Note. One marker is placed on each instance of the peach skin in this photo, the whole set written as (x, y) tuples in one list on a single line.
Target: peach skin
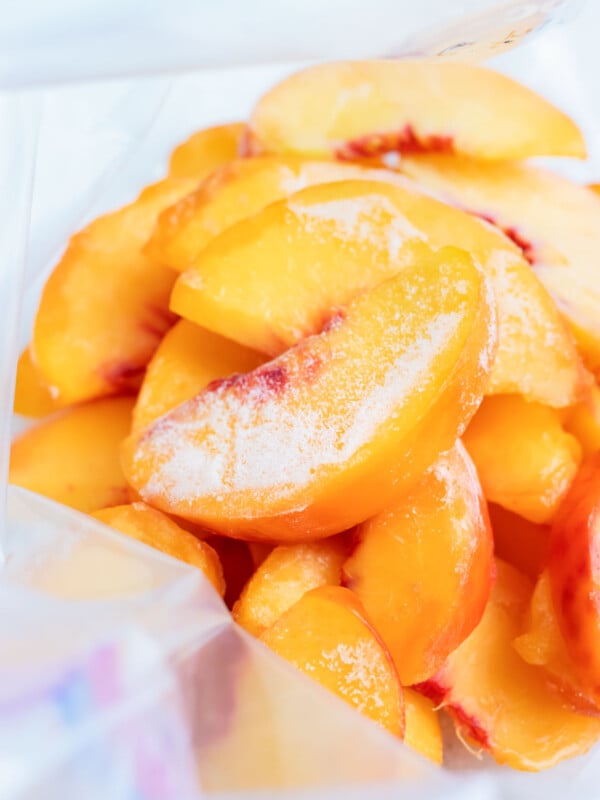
[(187, 359), (525, 460), (574, 570), (73, 456), (555, 221), (316, 242), (363, 109), (206, 150), (499, 702), (327, 635), (518, 541), (287, 573), (104, 308), (423, 567), (583, 422), (423, 732), (338, 426), (156, 530), (32, 395)]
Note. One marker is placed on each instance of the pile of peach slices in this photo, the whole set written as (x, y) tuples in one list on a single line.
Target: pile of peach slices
[(344, 359)]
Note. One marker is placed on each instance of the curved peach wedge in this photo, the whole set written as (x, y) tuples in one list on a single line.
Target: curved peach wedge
[(423, 567), (73, 456), (583, 421), (104, 308), (156, 530), (525, 460), (206, 150), (498, 701), (334, 429), (327, 635), (521, 543), (32, 395), (574, 569), (554, 220), (423, 732), (369, 108), (272, 279), (287, 573), (187, 359)]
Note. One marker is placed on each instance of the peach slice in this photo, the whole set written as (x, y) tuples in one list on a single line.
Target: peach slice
[(518, 541), (554, 220), (525, 460), (423, 567), (334, 429), (187, 360), (423, 732), (32, 395), (542, 644), (327, 635), (284, 576), (73, 456), (583, 421), (104, 309), (206, 150), (273, 278), (156, 530), (501, 703), (574, 569), (368, 108)]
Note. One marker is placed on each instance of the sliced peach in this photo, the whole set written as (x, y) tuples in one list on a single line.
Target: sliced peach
[(104, 309), (518, 541), (422, 568), (206, 150), (542, 644), (327, 635), (334, 429), (156, 530), (368, 108), (574, 569), (554, 220), (423, 732), (499, 702), (526, 461), (583, 421), (32, 395), (73, 456), (187, 360), (284, 576), (273, 278)]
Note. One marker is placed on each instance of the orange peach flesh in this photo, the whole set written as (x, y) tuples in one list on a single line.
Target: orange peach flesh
[(521, 543), (156, 530), (583, 422), (423, 732), (206, 150), (32, 395), (333, 430), (73, 456), (327, 636), (423, 568), (501, 703)]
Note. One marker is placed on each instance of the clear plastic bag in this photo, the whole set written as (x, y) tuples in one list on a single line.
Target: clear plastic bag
[(122, 673)]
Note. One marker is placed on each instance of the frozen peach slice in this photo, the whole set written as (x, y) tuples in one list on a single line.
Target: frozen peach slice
[(501, 703), (206, 150), (334, 429), (73, 456), (574, 569), (284, 576), (156, 530), (32, 395), (554, 220), (368, 108), (583, 421), (273, 278), (423, 732), (327, 635), (187, 360), (518, 541), (543, 644), (525, 460), (240, 190), (104, 308), (422, 568)]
